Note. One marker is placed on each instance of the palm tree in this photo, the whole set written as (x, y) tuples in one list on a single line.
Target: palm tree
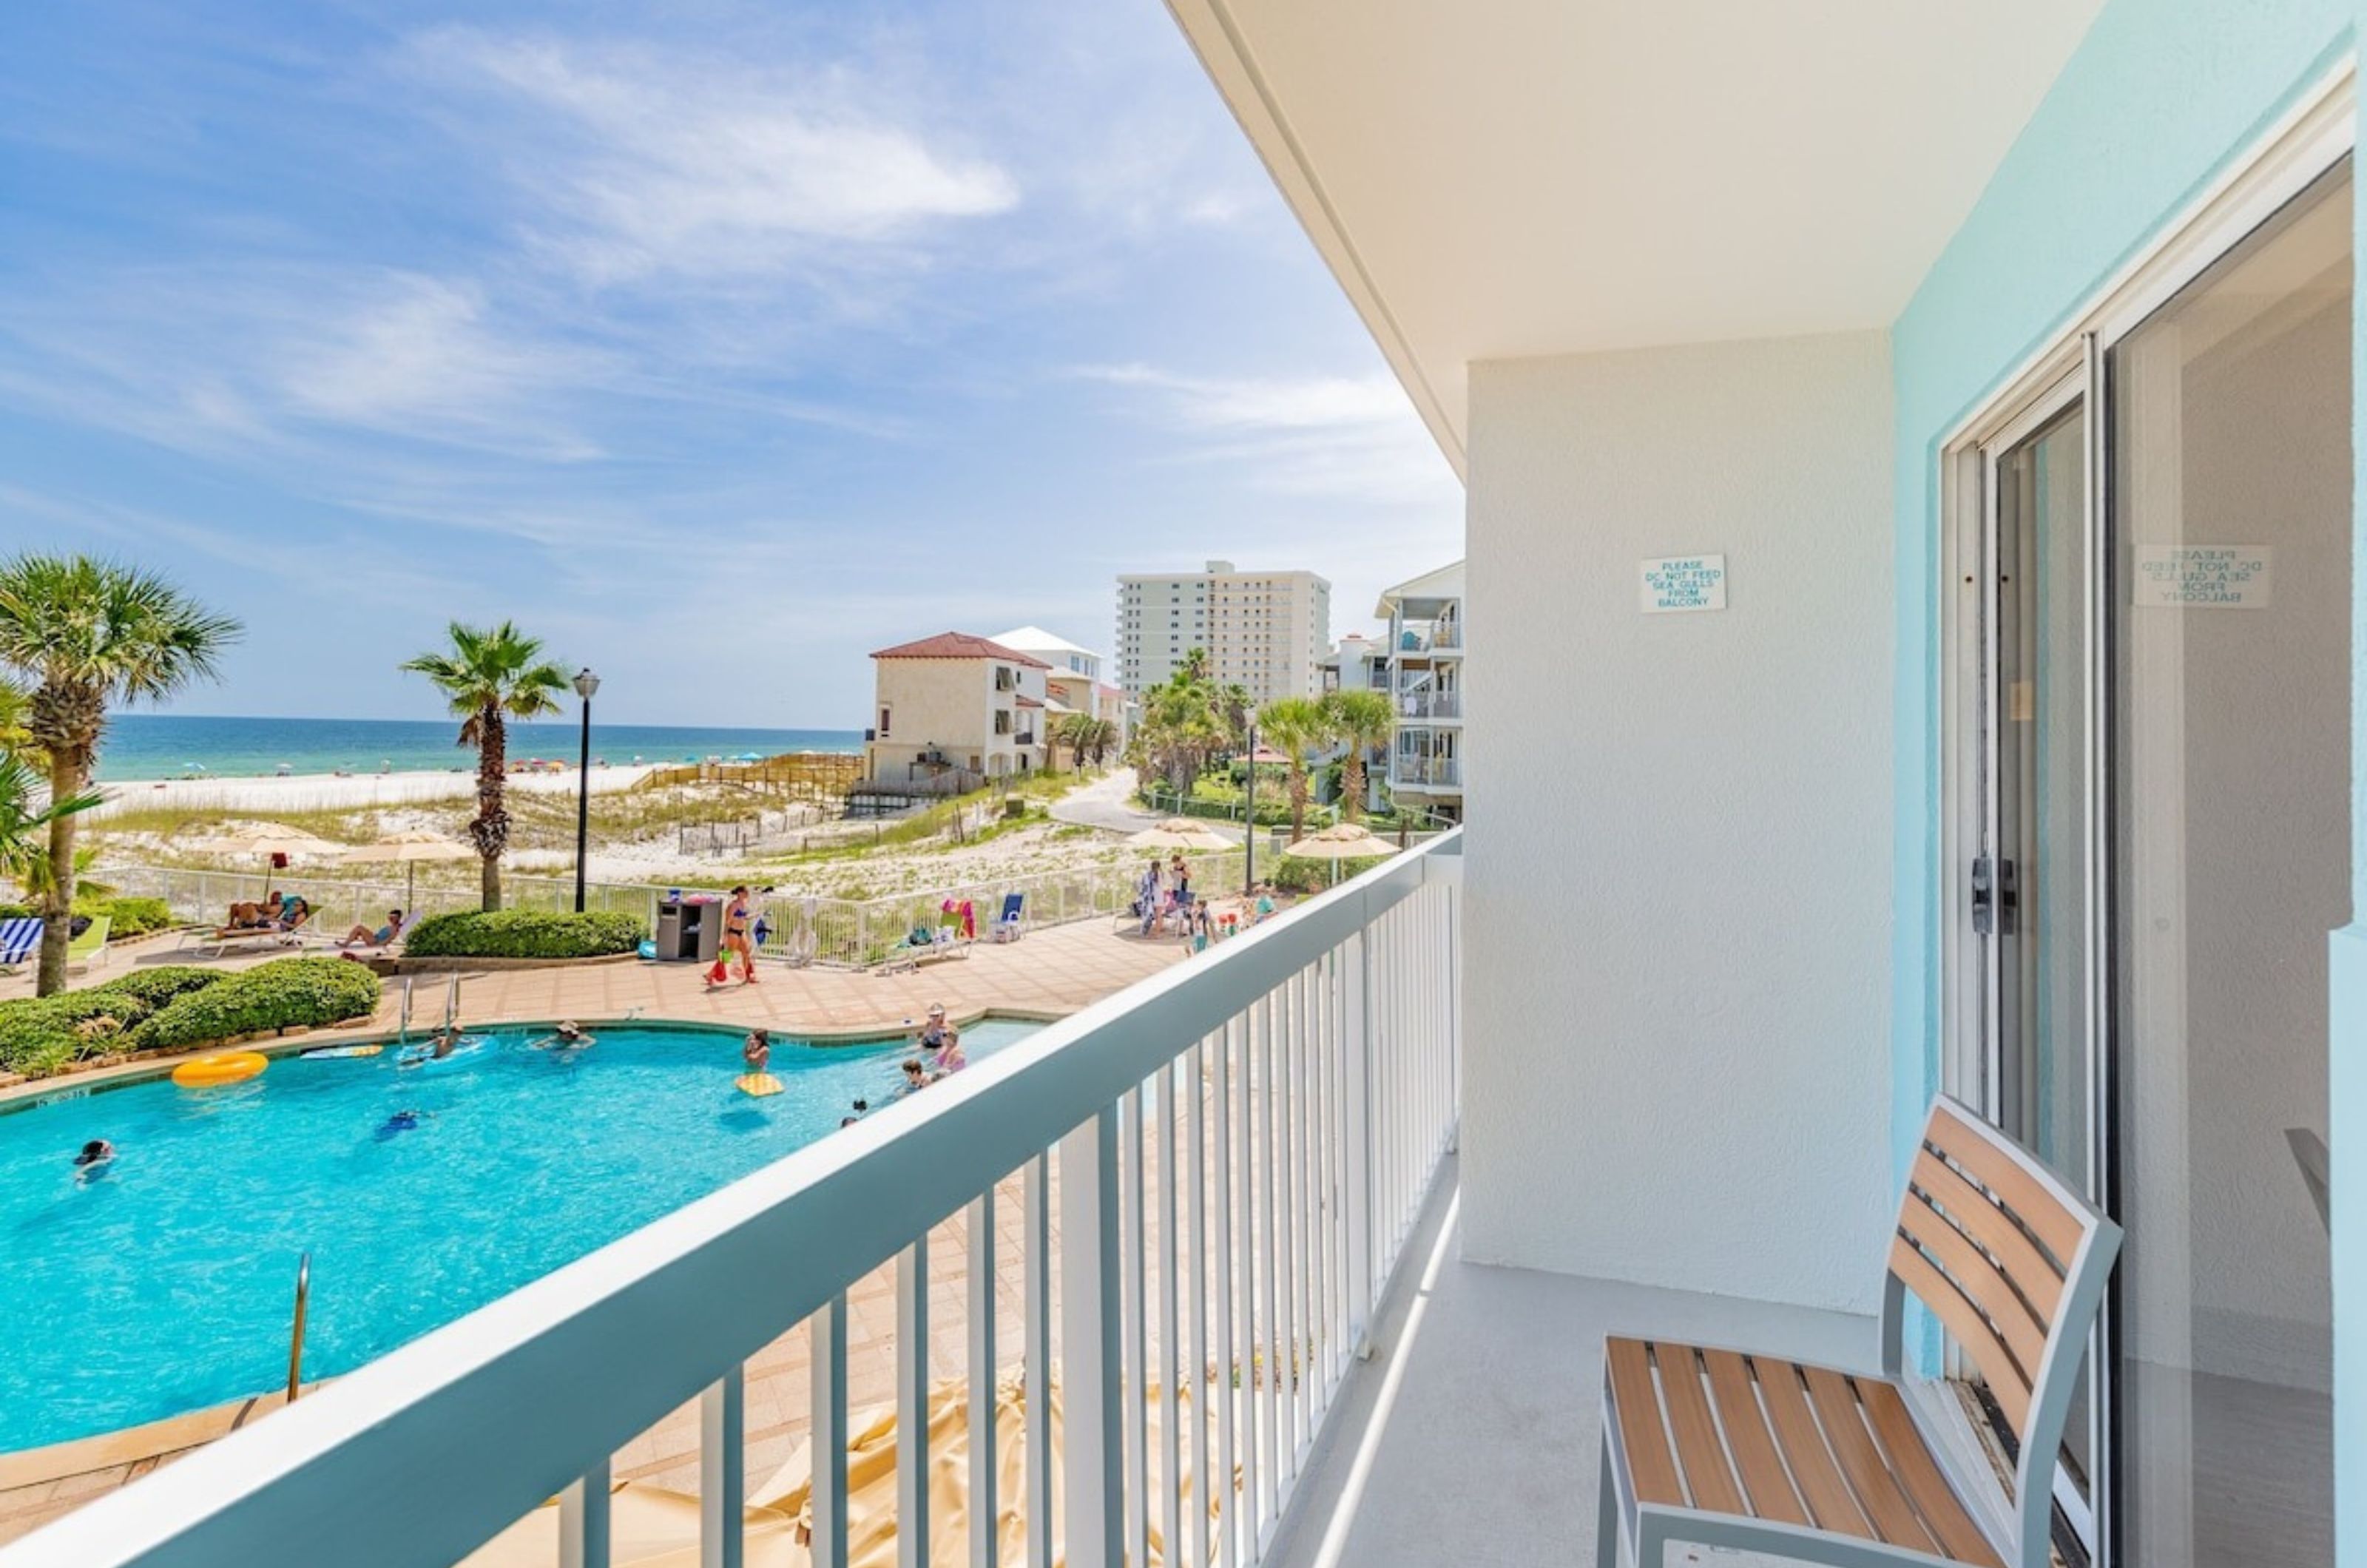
[(1362, 721), (1098, 735), (24, 821), (1293, 726), (492, 675), (90, 635)]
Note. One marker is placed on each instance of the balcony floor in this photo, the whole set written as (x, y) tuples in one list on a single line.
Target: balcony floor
[(1485, 1453)]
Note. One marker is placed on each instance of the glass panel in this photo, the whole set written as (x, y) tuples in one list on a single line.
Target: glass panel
[(2231, 571), (2040, 606)]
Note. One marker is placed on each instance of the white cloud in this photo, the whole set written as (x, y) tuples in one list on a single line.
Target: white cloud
[(660, 164), (264, 362)]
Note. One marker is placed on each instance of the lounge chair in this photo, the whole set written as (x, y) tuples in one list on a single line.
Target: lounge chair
[(283, 933), (1836, 1465), (1010, 925), (20, 938), (91, 946)]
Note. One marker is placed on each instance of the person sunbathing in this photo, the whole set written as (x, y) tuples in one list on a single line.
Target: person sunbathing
[(246, 915), (364, 936)]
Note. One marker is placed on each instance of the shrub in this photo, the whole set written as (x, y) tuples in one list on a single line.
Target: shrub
[(132, 917), (524, 933), (157, 987), (280, 995), (38, 1035), (1297, 875)]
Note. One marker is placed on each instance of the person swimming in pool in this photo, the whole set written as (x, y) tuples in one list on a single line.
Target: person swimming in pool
[(757, 1049), (94, 1159), (932, 1029), (949, 1053), (916, 1079), (862, 1109), (400, 1122), (568, 1036)]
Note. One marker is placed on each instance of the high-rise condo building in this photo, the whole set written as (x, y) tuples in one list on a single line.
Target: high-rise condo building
[(1265, 630)]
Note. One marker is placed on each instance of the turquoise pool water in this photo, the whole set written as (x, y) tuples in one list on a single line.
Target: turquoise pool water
[(164, 1284)]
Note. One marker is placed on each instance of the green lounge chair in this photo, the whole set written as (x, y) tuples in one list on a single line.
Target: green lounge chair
[(91, 946)]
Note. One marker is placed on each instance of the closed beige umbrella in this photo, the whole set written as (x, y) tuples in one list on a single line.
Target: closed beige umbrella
[(408, 851)]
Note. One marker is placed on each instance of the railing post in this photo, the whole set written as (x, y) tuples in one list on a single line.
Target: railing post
[(1355, 1138), (723, 1476), (1093, 1458), (828, 1442), (583, 1520)]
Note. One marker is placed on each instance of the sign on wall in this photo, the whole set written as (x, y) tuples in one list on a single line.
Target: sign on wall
[(2202, 577), (1678, 584)]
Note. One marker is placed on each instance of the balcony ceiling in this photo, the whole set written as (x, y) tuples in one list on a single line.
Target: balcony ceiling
[(1504, 178)]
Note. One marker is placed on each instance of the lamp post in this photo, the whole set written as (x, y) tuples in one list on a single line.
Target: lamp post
[(586, 683), (1249, 817)]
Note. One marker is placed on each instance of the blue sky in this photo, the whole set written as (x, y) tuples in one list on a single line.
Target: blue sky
[(719, 344)]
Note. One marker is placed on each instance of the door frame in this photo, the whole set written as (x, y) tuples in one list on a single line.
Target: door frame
[(2309, 139)]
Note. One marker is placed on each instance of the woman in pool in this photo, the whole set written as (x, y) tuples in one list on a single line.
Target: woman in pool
[(932, 1030), (949, 1053), (94, 1159), (568, 1036), (757, 1049)]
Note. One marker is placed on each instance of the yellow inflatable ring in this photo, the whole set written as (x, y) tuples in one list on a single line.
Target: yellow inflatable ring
[(226, 1067)]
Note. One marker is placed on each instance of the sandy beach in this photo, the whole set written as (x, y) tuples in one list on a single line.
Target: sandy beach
[(266, 797)]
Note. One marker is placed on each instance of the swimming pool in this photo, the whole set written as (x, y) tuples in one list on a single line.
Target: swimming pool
[(164, 1285)]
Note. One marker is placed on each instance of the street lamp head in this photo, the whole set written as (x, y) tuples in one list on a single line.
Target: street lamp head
[(586, 683)]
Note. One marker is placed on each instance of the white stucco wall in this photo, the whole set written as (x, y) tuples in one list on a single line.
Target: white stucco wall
[(1678, 1060)]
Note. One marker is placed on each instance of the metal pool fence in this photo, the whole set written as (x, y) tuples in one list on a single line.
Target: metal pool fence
[(840, 932)]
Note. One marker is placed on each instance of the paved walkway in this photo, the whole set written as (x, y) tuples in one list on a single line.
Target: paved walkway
[(1052, 972)]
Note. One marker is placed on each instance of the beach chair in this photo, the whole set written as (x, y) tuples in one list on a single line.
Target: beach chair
[(1839, 1465), (91, 946), (20, 938), (1009, 926)]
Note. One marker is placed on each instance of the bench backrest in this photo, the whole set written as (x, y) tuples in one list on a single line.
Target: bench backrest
[(2013, 1264)]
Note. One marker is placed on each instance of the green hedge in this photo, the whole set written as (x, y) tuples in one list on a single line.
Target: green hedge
[(280, 995), (1296, 874), (173, 1007), (524, 933), (132, 917)]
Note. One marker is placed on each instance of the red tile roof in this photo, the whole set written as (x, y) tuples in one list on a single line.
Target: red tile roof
[(959, 644), (1026, 703)]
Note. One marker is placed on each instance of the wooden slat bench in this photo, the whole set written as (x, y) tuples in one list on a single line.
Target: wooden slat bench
[(1742, 1449)]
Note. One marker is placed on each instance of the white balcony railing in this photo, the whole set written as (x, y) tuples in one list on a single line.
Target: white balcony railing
[(1426, 703), (1216, 1172), (1434, 771)]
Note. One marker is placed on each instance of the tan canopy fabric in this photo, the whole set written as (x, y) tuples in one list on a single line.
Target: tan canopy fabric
[(1181, 833), (652, 1527)]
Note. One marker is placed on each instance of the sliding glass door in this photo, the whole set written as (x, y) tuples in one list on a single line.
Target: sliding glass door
[(2159, 700)]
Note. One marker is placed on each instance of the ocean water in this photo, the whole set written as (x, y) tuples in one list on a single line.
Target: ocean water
[(167, 745), (164, 1284)]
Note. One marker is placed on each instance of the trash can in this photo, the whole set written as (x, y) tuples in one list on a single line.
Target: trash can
[(690, 931)]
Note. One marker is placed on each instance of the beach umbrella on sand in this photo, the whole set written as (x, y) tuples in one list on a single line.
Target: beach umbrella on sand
[(269, 839), (1181, 833), (1348, 840), (408, 850)]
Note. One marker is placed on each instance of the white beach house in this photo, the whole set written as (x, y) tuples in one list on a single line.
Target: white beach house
[(1912, 522), (1424, 618)]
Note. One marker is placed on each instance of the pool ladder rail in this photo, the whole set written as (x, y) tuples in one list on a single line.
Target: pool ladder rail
[(296, 1336)]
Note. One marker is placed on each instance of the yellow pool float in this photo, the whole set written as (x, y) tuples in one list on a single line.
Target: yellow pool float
[(225, 1066), (757, 1084)]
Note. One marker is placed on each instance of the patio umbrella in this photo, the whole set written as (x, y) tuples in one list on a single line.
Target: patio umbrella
[(408, 850), (1181, 833), (269, 839), (1347, 841)]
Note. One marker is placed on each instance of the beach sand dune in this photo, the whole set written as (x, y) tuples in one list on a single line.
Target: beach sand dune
[(328, 792)]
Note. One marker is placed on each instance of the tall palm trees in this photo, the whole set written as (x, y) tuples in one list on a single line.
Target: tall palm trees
[(90, 635), (491, 675), (1295, 726), (1362, 720)]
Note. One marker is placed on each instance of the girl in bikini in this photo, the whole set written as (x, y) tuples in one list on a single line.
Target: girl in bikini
[(738, 918)]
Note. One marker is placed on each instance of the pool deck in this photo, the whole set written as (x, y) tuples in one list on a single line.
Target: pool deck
[(1053, 972)]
